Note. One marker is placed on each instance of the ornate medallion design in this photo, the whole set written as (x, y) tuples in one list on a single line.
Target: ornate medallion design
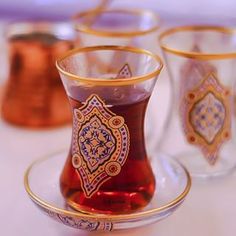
[(100, 144), (206, 115)]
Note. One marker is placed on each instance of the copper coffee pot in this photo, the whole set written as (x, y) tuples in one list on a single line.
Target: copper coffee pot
[(34, 95)]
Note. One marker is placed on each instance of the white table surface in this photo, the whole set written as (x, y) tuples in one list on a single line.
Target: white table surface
[(209, 210)]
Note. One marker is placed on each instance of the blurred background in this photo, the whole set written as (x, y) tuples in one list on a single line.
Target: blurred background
[(19, 146), (171, 12), (214, 11)]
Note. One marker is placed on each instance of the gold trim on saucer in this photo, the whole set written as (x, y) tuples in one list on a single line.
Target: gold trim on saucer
[(101, 217), (87, 28), (197, 55), (115, 82)]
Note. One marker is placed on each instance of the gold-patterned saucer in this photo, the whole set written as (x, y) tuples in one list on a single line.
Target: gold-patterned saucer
[(41, 181)]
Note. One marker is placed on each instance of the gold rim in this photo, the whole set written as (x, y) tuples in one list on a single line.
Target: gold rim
[(101, 217), (116, 82), (196, 55), (89, 30)]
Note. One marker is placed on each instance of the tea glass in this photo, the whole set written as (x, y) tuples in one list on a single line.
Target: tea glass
[(126, 27), (107, 169), (201, 127)]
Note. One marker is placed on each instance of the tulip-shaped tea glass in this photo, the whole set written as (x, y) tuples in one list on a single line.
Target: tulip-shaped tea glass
[(126, 27), (107, 169), (201, 63)]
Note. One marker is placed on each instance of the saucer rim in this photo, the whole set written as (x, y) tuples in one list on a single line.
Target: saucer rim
[(120, 217)]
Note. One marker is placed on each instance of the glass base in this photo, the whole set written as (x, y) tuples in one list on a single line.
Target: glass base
[(199, 168)]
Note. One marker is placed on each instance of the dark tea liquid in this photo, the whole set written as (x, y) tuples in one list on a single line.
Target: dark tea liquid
[(134, 186)]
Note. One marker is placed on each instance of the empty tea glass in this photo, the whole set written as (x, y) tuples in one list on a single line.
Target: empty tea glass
[(201, 64), (107, 169), (127, 27), (34, 95)]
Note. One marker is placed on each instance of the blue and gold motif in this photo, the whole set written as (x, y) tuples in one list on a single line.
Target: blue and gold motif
[(207, 121), (100, 144), (78, 222)]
